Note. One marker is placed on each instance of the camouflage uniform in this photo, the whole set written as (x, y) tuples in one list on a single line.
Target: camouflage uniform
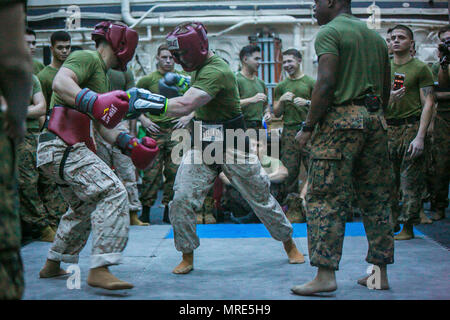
[(97, 200), (192, 183), (122, 166), (162, 164), (409, 174), (349, 152), (292, 158), (442, 156), (11, 267)]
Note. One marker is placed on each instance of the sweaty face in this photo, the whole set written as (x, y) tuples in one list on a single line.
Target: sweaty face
[(253, 61), (30, 41), (165, 61), (291, 64), (401, 41), (61, 50)]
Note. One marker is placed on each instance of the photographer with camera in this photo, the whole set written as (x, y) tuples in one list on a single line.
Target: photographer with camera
[(441, 132), (408, 117)]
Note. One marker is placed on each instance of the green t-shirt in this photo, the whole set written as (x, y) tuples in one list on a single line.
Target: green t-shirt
[(34, 123), (249, 88), (151, 83), (46, 77), (121, 80), (37, 66), (302, 88), (216, 79), (417, 75), (90, 70), (363, 54), (442, 106)]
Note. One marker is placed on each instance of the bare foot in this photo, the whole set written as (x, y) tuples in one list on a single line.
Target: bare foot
[(52, 269), (186, 265), (325, 281), (383, 285), (101, 277), (295, 256)]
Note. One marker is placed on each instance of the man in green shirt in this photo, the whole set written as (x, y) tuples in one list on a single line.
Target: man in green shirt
[(60, 47), (349, 154), (16, 68), (292, 100), (160, 128), (30, 39), (441, 137), (214, 97), (97, 199), (408, 116), (252, 90), (34, 215)]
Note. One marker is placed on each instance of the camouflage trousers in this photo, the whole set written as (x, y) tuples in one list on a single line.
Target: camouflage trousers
[(409, 174), (441, 151), (97, 200), (349, 156), (11, 267), (162, 165), (292, 158), (123, 167), (193, 181)]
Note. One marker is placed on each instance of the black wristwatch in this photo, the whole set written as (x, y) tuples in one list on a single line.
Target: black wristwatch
[(306, 128)]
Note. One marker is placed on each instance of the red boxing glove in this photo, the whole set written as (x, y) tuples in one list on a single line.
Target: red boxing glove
[(142, 152), (108, 108)]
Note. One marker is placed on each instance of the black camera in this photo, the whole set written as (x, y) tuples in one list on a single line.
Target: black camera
[(444, 48)]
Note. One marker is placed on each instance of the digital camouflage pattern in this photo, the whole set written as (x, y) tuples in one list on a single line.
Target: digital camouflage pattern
[(97, 200), (349, 154), (122, 166), (292, 158), (11, 267), (409, 174), (441, 151), (193, 182), (162, 165)]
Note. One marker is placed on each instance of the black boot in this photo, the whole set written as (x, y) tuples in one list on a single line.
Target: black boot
[(166, 214), (145, 216)]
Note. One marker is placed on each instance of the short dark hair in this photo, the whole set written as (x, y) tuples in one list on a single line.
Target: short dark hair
[(248, 51), (389, 30), (162, 48), (442, 30), (30, 32), (293, 52), (405, 28), (59, 36)]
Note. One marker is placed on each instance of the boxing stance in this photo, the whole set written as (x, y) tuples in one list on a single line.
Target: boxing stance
[(66, 152)]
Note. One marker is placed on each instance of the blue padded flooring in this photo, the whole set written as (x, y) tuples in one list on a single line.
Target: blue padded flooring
[(257, 230)]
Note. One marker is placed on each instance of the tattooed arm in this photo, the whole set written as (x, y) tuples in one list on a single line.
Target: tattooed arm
[(427, 98)]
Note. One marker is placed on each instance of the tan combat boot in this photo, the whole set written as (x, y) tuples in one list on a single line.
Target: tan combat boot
[(47, 234), (134, 220)]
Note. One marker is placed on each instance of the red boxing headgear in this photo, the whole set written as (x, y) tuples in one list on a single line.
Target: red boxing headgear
[(188, 43), (123, 40)]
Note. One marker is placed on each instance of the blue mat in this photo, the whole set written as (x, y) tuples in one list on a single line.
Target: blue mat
[(257, 230)]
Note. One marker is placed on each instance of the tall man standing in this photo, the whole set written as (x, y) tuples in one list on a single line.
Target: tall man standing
[(441, 134), (66, 152), (214, 97), (349, 147), (15, 80), (252, 90), (60, 47), (408, 116), (160, 128), (292, 101)]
